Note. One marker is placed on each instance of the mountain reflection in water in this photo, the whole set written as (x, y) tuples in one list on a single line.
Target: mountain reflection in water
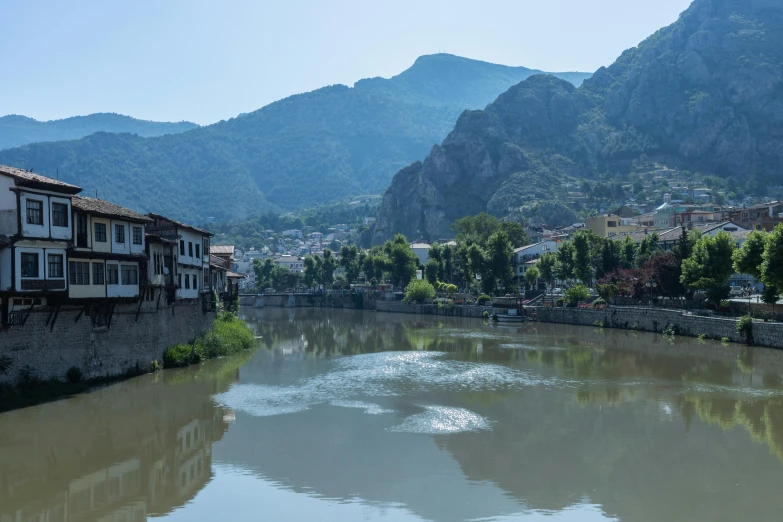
[(347, 415)]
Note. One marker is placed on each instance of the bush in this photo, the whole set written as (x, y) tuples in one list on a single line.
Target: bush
[(450, 289), (670, 330), (418, 290), (178, 356), (485, 315), (607, 291), (73, 375), (484, 299), (577, 293), (744, 326), (560, 301), (229, 335)]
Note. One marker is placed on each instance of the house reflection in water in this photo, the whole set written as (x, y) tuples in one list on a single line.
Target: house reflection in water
[(117, 455)]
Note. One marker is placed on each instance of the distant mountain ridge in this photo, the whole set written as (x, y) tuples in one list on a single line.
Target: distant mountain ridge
[(306, 149), (16, 130), (704, 94)]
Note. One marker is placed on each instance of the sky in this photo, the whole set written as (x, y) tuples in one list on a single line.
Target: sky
[(209, 60)]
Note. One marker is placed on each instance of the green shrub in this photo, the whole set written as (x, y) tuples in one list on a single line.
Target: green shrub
[(725, 340), (73, 375), (577, 293), (155, 366), (560, 301), (484, 299), (670, 330), (485, 315), (607, 291), (418, 291), (178, 356), (744, 326), (229, 335), (701, 336), (599, 303), (450, 289)]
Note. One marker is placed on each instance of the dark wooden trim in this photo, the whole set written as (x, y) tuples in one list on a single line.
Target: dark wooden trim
[(56, 313), (109, 318), (80, 314), (138, 311)]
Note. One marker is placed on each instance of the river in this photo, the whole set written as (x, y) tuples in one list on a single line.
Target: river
[(345, 415)]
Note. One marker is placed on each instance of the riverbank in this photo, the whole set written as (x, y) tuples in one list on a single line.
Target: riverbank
[(676, 322)]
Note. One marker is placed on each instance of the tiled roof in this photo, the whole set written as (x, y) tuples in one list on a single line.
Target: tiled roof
[(217, 262), (24, 177), (234, 275), (180, 224), (155, 238), (221, 249), (104, 208)]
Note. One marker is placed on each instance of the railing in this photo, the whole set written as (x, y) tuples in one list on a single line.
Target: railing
[(41, 284), (16, 318)]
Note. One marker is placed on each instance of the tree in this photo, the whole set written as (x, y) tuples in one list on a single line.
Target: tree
[(564, 266), (431, 270), (328, 266), (664, 270), (349, 261), (476, 261), (582, 268), (608, 258), (627, 253), (263, 271), (310, 272), (647, 247), (418, 290), (448, 263), (402, 262), (576, 293), (772, 260), (546, 267), (710, 265), (749, 258), (499, 268), (607, 291), (436, 254), (516, 234), (481, 227), (531, 277)]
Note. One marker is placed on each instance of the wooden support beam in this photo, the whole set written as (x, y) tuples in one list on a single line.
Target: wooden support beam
[(139, 309), (80, 314), (27, 315), (51, 314), (111, 314), (56, 313), (157, 305)]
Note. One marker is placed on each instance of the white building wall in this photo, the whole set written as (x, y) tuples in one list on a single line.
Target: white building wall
[(121, 290), (90, 290), (101, 246), (134, 248), (124, 247), (8, 220), (5, 269), (42, 249), (29, 230), (64, 233)]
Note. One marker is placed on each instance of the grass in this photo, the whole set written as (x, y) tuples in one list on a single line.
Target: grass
[(228, 336)]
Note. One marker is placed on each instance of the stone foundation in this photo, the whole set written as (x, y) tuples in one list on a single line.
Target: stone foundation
[(656, 320), (129, 342)]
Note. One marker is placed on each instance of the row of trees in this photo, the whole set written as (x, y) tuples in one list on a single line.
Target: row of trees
[(704, 263)]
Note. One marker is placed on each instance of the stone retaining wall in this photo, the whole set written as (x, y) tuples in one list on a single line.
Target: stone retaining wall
[(657, 320), (129, 343), (432, 309)]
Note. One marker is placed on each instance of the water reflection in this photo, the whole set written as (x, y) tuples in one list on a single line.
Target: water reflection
[(119, 454), (348, 415)]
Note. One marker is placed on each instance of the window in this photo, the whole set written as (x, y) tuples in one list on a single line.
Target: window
[(130, 275), (100, 232), (79, 272), (55, 265), (119, 234), (112, 274), (179, 280), (195, 282), (34, 212), (81, 230), (187, 281), (190, 249), (205, 246), (137, 236), (59, 215), (29, 265), (198, 254), (97, 273), (182, 247)]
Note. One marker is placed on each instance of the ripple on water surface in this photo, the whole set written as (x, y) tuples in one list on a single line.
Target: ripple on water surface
[(384, 375)]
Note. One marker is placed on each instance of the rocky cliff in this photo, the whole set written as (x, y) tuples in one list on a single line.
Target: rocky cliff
[(705, 93)]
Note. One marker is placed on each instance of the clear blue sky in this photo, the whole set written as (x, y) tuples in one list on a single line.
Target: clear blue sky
[(207, 60)]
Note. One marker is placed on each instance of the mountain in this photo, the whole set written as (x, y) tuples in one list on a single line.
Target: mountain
[(705, 93), (307, 149), (16, 130)]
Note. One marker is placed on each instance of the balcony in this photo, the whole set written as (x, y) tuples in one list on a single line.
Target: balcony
[(43, 285)]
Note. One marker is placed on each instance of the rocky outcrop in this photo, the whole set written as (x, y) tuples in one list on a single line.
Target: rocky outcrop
[(705, 93)]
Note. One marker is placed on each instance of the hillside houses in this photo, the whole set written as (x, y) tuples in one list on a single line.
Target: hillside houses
[(57, 248)]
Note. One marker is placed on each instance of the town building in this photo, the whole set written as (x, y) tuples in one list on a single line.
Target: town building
[(610, 225), (192, 266), (525, 255), (36, 228), (422, 251), (293, 263), (108, 250), (764, 216)]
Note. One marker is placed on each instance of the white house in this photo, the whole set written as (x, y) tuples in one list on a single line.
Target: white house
[(36, 227), (525, 254), (108, 252), (293, 263), (422, 251), (192, 270)]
